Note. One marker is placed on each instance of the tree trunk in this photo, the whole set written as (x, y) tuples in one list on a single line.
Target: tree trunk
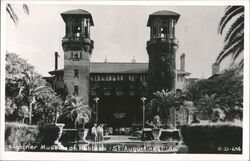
[(30, 115)]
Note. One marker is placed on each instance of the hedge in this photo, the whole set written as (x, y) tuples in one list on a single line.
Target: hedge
[(20, 137), (212, 138)]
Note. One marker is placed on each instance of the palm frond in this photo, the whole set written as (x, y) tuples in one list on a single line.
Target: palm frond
[(229, 48), (241, 64), (236, 28), (11, 12), (237, 52), (26, 9), (230, 13)]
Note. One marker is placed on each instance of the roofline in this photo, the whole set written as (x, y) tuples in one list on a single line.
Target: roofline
[(119, 63), (88, 15)]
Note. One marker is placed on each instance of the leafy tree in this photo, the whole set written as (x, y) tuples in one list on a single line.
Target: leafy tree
[(32, 86), (10, 10), (14, 68), (23, 113), (49, 106), (234, 39), (228, 87), (23, 85)]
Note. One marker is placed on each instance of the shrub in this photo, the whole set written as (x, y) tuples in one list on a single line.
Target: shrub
[(19, 137), (212, 138), (48, 133)]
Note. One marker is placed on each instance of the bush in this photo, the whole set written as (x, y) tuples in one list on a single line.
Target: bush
[(212, 138), (48, 133), (20, 137)]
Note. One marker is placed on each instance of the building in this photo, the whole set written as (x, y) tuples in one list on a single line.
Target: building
[(119, 86)]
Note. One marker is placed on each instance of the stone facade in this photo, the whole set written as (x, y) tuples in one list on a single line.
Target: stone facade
[(119, 86), (161, 50)]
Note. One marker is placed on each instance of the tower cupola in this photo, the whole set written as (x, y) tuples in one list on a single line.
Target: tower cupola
[(77, 32), (162, 24)]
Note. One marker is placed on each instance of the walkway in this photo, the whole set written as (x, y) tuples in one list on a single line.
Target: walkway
[(120, 138)]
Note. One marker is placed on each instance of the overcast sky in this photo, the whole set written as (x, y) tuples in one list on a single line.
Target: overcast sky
[(120, 32)]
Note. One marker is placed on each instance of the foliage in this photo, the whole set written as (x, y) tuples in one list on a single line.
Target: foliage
[(11, 12), (76, 112), (228, 87), (14, 68), (49, 106), (161, 104), (208, 104), (206, 138), (234, 39), (19, 135), (23, 86)]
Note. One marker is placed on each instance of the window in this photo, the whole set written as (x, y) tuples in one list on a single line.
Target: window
[(76, 73), (76, 56), (164, 31), (80, 55), (76, 90)]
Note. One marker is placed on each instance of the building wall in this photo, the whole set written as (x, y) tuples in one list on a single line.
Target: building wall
[(180, 82), (82, 81)]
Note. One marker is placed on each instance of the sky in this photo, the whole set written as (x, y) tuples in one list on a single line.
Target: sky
[(119, 31)]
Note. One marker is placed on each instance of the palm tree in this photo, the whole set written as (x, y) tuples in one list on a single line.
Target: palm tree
[(161, 104), (77, 109), (31, 87), (234, 39), (209, 104), (10, 10), (49, 105)]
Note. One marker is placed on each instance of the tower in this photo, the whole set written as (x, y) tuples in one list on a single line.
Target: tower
[(161, 50), (77, 46), (215, 68)]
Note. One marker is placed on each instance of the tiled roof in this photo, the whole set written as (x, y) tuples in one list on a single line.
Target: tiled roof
[(100, 67), (163, 13), (118, 67), (76, 12)]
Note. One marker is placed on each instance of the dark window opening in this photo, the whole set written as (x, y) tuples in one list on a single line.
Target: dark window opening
[(86, 31), (76, 90), (164, 31), (154, 31), (77, 30), (76, 56), (80, 55), (76, 73)]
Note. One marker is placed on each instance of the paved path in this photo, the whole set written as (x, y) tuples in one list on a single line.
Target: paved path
[(120, 138)]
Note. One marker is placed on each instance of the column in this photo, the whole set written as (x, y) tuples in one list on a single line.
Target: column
[(82, 27)]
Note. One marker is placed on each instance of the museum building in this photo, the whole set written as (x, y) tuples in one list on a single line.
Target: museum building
[(114, 89)]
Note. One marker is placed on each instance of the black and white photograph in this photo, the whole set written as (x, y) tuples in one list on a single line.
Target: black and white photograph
[(126, 78)]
